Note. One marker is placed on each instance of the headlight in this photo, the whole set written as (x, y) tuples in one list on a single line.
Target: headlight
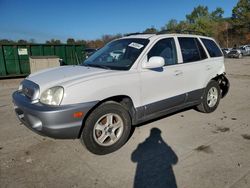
[(52, 96)]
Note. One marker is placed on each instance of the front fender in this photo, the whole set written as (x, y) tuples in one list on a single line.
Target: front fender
[(103, 88)]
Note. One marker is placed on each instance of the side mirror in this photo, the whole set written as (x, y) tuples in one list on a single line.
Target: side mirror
[(154, 62)]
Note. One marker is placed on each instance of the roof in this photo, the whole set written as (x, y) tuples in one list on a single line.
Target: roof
[(147, 36)]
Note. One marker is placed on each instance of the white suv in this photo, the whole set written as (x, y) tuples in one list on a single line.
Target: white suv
[(129, 81)]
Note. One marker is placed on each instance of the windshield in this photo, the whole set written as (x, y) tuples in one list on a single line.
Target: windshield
[(118, 55)]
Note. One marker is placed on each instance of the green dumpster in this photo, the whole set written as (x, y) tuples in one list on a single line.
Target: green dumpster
[(14, 59)]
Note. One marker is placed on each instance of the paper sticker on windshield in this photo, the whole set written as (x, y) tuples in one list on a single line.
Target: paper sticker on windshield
[(135, 45)]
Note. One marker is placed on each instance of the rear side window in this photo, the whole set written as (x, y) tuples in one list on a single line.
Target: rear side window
[(165, 48), (191, 49), (212, 48)]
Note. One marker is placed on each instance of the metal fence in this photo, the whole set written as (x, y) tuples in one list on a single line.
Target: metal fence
[(14, 59)]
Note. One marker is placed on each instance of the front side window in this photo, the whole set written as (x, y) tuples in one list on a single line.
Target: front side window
[(165, 48), (118, 55), (212, 48), (191, 49)]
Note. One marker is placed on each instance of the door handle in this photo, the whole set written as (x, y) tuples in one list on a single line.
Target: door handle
[(178, 72)]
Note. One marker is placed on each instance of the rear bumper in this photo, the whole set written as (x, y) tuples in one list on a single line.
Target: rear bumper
[(54, 122), (224, 85)]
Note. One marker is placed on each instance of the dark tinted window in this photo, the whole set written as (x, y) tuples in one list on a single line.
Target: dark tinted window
[(166, 49), (191, 49), (202, 52), (212, 48)]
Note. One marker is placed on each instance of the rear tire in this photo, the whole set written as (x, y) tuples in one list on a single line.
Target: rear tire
[(106, 129), (211, 98)]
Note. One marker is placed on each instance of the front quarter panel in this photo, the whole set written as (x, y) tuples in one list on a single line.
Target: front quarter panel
[(122, 83)]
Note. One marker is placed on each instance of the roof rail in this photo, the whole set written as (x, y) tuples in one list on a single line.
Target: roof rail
[(181, 32), (138, 33), (165, 31), (194, 32)]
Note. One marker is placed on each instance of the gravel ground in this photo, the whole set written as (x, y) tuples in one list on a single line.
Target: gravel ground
[(187, 149)]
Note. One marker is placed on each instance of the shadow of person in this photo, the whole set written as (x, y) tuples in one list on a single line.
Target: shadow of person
[(154, 160)]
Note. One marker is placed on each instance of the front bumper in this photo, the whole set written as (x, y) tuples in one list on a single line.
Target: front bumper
[(51, 121)]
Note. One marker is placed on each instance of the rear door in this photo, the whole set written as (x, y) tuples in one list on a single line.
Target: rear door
[(193, 65)]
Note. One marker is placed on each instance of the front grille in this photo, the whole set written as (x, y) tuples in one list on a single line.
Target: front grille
[(30, 89)]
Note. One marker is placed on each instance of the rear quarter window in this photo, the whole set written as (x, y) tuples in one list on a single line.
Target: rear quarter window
[(211, 47)]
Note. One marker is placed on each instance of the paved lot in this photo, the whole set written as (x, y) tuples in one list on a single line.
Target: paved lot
[(193, 149)]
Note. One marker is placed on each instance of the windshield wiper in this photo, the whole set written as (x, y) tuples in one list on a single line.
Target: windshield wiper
[(96, 65)]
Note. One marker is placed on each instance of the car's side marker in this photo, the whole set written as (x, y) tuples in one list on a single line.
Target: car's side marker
[(78, 114)]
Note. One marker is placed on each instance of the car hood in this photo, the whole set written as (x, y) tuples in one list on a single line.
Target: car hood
[(64, 74)]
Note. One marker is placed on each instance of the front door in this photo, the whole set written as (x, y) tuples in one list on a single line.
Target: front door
[(162, 88)]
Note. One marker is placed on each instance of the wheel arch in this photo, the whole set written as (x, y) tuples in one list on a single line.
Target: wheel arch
[(223, 83), (124, 100)]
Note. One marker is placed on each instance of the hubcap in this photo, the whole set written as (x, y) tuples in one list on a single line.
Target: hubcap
[(212, 97), (108, 129)]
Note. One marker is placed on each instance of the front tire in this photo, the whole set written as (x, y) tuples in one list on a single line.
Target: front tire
[(106, 129), (211, 98)]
